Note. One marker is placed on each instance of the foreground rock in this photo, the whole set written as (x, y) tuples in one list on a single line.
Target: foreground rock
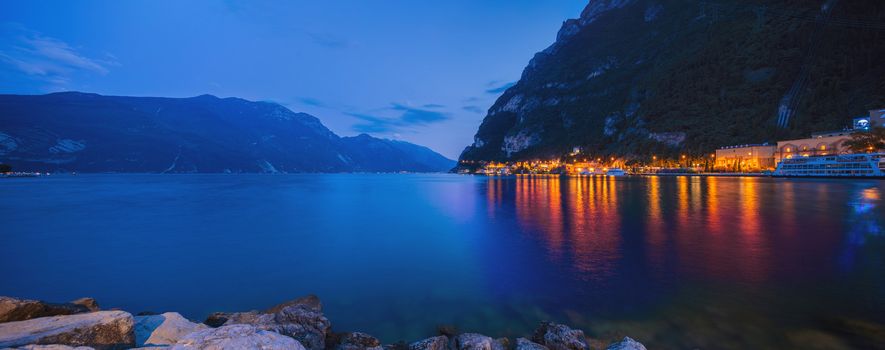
[(436, 343), (626, 344), (88, 303), (357, 341), (100, 330), (301, 319), (473, 341), (53, 347), (236, 337), (560, 337), (311, 301), (12, 309), (525, 344), (163, 329), (298, 325)]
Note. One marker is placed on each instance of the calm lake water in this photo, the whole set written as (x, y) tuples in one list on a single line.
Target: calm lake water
[(676, 262)]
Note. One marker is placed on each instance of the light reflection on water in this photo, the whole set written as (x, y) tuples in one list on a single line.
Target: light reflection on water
[(676, 262), (581, 219), (739, 253)]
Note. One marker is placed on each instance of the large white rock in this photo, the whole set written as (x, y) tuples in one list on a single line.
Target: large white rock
[(164, 329), (473, 341), (101, 330), (436, 343), (525, 344), (560, 337), (301, 319), (237, 336), (626, 344)]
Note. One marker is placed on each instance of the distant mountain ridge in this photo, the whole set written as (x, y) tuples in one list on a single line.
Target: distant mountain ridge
[(83, 132), (636, 78)]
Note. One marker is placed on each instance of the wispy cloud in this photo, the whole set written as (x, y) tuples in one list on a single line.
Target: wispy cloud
[(373, 124), (50, 60), (417, 116), (58, 53), (473, 109), (408, 117), (328, 40), (434, 106), (501, 88), (310, 101)]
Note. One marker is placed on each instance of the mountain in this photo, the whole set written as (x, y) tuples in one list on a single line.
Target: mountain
[(372, 154), (634, 78), (83, 132)]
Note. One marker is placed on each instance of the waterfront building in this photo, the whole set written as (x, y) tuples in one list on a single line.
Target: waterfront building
[(875, 119), (828, 143), (495, 168), (819, 144), (746, 158)]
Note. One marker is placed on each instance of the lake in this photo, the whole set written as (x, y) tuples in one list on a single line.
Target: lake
[(675, 262)]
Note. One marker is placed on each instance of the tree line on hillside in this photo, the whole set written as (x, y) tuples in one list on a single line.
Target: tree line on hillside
[(868, 141)]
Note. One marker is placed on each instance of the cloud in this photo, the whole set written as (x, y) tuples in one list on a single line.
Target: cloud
[(408, 117), (417, 116), (501, 88), (474, 109), (310, 101), (373, 124), (60, 53), (433, 106), (328, 40), (50, 60)]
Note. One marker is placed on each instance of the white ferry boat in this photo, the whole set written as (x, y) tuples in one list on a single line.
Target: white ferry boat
[(615, 172), (845, 165)]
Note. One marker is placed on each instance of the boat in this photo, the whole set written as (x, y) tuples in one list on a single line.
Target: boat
[(615, 172), (870, 165), (591, 171)]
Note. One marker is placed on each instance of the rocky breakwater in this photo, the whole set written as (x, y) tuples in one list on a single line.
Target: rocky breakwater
[(297, 325)]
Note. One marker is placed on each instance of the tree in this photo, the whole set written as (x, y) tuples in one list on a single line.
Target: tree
[(5, 168), (866, 141)]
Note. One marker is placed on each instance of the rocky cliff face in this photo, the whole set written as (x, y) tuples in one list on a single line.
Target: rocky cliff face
[(93, 133), (636, 77)]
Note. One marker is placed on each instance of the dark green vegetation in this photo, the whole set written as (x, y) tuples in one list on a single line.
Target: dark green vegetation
[(868, 141), (642, 77), (206, 134), (5, 168)]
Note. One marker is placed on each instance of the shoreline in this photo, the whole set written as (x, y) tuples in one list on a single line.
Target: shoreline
[(297, 324), (736, 175), (510, 176)]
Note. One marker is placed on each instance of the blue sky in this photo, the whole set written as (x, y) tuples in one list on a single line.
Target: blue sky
[(419, 71)]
